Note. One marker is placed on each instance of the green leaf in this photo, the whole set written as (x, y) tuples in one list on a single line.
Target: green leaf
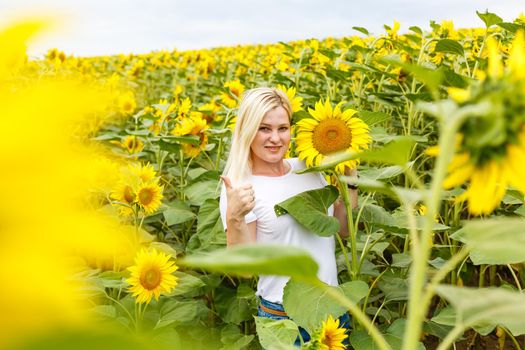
[(280, 334), (235, 306), (186, 283), (494, 241), (108, 136), (200, 191), (401, 260), (436, 329), (175, 216), (489, 18), (210, 232), (168, 146), (395, 288), (360, 339), (454, 79), (361, 30), (163, 247), (447, 317), (233, 339), (105, 311), (381, 173), (309, 305), (257, 259), (191, 139), (395, 153), (487, 306), (449, 46), (355, 290), (372, 118), (309, 208), (416, 29), (112, 279), (511, 27), (180, 312)]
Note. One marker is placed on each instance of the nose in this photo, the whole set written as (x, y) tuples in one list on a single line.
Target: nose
[(274, 136)]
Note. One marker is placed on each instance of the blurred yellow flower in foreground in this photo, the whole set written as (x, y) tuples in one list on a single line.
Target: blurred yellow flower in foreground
[(47, 230), (491, 154)]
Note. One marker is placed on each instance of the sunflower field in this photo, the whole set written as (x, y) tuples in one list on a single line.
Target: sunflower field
[(111, 235)]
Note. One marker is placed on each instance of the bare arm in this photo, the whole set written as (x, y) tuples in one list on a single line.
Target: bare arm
[(240, 202), (239, 232)]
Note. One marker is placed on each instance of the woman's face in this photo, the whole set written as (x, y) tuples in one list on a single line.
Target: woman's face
[(272, 139)]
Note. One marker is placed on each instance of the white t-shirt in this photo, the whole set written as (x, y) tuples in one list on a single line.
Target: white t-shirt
[(284, 230)]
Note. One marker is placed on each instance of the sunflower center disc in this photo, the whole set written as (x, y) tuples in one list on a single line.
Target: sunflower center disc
[(150, 279), (331, 135), (145, 196), (128, 194)]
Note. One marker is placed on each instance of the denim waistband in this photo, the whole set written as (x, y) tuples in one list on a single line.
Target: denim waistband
[(270, 305)]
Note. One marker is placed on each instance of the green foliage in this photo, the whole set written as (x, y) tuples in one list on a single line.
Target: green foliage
[(494, 241), (486, 307), (258, 259), (309, 209), (276, 334), (308, 305)]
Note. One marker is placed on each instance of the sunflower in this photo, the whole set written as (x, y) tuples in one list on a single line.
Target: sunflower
[(332, 335), (149, 196), (124, 194), (295, 101), (194, 125), (144, 173), (235, 88), (491, 153), (132, 144), (126, 103), (330, 130), (151, 276)]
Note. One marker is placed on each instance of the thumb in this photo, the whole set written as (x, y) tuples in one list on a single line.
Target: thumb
[(227, 182)]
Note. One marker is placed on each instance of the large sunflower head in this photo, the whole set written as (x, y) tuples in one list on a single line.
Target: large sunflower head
[(330, 130), (491, 153), (151, 276)]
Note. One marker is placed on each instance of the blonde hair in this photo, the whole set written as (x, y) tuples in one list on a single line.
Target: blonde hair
[(254, 106)]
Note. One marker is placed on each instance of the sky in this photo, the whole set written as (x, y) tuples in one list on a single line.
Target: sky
[(106, 27)]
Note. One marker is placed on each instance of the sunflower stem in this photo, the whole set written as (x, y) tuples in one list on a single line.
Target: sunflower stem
[(352, 232), (181, 182), (418, 303), (345, 253)]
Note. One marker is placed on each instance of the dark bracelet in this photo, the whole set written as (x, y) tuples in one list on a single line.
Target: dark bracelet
[(352, 186)]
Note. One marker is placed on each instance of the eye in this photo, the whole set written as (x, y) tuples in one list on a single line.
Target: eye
[(283, 128), (264, 128)]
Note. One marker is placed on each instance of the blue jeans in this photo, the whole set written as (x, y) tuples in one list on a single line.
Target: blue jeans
[(344, 320)]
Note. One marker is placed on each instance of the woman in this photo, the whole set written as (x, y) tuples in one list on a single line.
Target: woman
[(256, 177)]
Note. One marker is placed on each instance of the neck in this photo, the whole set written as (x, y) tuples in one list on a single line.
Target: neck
[(270, 169)]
